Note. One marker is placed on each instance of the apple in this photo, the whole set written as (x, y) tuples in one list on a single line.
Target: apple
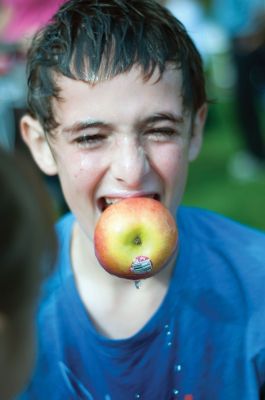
[(135, 237)]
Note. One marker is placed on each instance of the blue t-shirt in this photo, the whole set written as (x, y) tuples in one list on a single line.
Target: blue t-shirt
[(206, 341)]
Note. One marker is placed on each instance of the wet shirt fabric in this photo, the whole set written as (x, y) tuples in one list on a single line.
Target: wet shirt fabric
[(206, 340)]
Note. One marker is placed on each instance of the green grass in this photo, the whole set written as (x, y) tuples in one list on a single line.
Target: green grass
[(210, 185)]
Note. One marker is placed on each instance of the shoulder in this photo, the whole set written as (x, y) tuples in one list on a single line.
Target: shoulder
[(210, 226), (225, 251), (64, 225), (62, 270), (64, 229), (227, 262)]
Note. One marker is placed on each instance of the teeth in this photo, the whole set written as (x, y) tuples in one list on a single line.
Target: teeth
[(111, 201), (108, 201)]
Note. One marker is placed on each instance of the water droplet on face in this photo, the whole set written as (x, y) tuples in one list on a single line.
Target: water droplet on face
[(168, 333), (175, 392), (169, 344), (166, 326), (137, 396)]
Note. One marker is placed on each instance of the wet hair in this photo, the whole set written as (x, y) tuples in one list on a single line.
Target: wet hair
[(27, 238), (95, 40)]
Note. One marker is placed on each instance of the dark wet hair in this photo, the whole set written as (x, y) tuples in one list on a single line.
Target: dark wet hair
[(27, 238), (94, 40)]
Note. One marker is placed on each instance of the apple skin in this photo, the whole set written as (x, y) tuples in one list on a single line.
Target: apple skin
[(131, 228)]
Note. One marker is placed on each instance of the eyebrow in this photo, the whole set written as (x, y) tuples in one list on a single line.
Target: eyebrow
[(83, 125), (160, 117)]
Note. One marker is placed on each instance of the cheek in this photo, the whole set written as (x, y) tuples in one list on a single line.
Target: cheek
[(78, 174), (171, 163)]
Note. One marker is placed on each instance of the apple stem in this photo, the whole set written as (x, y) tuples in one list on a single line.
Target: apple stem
[(137, 284), (137, 240)]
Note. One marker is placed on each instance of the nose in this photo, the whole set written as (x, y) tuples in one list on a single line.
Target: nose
[(130, 162)]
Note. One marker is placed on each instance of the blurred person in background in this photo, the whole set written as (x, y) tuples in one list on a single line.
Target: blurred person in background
[(27, 254), (192, 13), (244, 23), (19, 19)]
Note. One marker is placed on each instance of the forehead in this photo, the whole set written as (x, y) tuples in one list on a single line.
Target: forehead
[(125, 96)]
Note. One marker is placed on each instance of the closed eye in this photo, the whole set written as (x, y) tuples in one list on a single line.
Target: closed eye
[(90, 140), (162, 133)]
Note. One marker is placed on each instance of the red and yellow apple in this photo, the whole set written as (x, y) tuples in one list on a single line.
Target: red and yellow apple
[(135, 237)]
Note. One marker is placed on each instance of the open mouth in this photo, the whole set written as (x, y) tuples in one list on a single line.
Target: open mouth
[(105, 202)]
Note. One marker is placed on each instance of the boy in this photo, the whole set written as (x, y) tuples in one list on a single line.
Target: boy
[(27, 252), (117, 109)]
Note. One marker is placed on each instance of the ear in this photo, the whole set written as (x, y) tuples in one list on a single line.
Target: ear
[(33, 135), (197, 132)]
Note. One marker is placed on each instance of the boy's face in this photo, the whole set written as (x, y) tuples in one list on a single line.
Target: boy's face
[(120, 138)]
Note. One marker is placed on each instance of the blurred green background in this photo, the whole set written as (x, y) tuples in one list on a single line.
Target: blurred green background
[(210, 185)]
